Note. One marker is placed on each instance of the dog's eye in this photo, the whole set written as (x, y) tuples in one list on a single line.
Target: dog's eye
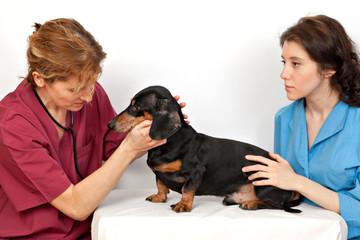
[(136, 108)]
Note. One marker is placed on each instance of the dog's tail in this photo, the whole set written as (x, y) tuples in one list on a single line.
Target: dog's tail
[(294, 200)]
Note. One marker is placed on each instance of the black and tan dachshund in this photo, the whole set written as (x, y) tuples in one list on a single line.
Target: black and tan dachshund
[(192, 163)]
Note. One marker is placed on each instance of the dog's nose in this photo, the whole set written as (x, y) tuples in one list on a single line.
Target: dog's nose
[(111, 125)]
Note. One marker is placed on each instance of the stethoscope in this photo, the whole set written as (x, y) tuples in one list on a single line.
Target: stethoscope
[(65, 128)]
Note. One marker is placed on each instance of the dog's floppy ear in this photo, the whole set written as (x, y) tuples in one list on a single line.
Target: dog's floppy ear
[(166, 120)]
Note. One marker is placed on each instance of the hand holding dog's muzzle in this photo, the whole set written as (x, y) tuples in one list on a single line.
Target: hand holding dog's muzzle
[(138, 141)]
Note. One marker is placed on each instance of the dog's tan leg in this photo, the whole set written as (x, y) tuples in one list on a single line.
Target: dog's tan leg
[(161, 195), (185, 204), (245, 193)]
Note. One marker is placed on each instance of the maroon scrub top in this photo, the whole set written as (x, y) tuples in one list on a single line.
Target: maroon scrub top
[(36, 166)]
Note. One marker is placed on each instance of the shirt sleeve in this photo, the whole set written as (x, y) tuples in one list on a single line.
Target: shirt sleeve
[(350, 206), (278, 133), (29, 173)]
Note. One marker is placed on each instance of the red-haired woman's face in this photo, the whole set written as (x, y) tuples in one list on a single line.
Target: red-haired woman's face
[(61, 94)]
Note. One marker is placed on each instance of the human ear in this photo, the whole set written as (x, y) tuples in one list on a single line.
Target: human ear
[(38, 79), (328, 73)]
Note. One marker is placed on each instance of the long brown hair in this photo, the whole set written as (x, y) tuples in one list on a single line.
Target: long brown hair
[(328, 44), (62, 47)]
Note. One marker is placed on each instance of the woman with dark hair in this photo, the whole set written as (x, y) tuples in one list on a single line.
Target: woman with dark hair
[(319, 133), (52, 142)]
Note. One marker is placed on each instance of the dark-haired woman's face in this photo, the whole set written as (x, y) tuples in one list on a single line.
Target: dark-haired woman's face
[(300, 73)]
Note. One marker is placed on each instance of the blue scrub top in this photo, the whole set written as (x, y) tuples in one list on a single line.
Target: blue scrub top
[(334, 158)]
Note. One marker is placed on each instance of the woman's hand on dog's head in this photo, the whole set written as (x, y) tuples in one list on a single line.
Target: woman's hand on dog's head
[(182, 105)]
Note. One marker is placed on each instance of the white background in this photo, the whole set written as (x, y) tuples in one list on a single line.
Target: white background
[(221, 56)]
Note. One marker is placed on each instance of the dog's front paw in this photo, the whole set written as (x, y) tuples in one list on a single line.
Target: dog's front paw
[(181, 207), (156, 198)]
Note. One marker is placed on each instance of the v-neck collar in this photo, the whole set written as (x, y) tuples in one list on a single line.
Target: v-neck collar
[(333, 124), (49, 126)]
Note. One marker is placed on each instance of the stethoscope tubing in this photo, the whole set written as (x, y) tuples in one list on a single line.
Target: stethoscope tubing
[(70, 128)]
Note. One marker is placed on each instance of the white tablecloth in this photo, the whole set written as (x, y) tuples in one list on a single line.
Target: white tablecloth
[(125, 214)]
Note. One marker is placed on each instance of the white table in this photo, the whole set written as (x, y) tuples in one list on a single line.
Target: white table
[(125, 214)]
